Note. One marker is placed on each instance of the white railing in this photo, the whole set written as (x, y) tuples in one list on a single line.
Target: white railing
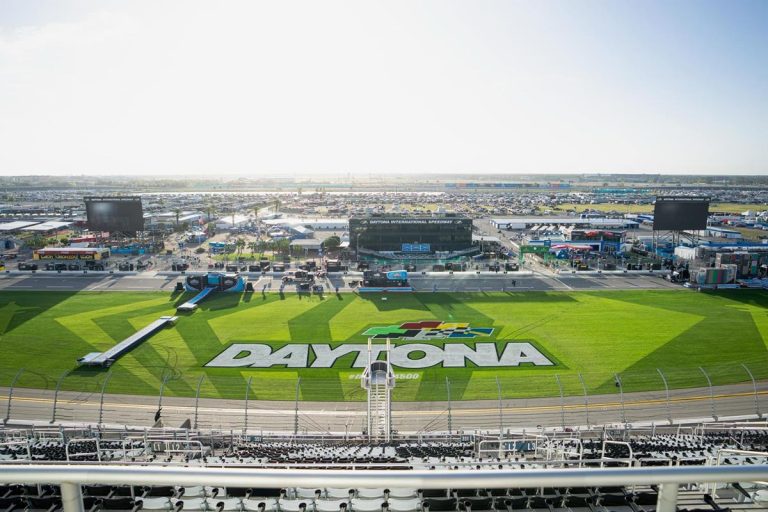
[(70, 478)]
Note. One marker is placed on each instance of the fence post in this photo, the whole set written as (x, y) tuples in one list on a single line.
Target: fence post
[(10, 395), (296, 409), (586, 399), (71, 497), (501, 414), (448, 390), (56, 394), (160, 400), (666, 389), (101, 400), (754, 386), (621, 397), (247, 391), (667, 501), (562, 404), (711, 394), (197, 399)]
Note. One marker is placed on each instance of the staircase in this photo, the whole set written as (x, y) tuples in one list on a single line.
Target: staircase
[(378, 379), (379, 409)]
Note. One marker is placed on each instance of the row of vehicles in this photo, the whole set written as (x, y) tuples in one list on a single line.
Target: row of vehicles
[(89, 265)]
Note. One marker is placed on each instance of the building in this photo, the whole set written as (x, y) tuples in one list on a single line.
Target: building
[(315, 224), (71, 253), (47, 228), (406, 234)]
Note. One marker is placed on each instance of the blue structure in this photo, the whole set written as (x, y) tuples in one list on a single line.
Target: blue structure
[(191, 304), (219, 247), (107, 358), (211, 282), (219, 281)]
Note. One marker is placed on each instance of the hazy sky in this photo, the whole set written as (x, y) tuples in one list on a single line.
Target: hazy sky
[(284, 87)]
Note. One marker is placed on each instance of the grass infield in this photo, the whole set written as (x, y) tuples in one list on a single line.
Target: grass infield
[(595, 334)]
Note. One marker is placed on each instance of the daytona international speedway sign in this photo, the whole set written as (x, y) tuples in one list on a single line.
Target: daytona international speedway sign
[(408, 350)]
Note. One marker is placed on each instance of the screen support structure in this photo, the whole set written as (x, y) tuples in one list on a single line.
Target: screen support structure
[(675, 237)]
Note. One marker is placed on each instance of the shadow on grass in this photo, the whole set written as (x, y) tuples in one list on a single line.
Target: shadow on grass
[(394, 301), (751, 297), (511, 295), (17, 308), (181, 298), (219, 301)]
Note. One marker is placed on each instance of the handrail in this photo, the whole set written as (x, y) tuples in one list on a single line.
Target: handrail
[(423, 479)]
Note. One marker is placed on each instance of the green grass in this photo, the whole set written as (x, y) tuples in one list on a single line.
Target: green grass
[(595, 334)]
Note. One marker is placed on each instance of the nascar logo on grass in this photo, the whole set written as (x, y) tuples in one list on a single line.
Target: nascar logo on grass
[(429, 330), (407, 355)]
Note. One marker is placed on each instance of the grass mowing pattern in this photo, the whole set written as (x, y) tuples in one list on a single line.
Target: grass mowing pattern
[(595, 334)]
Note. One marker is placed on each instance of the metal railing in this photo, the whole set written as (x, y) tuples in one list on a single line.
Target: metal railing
[(70, 478), (261, 402)]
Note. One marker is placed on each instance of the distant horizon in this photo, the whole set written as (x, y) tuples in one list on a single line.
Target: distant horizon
[(422, 175)]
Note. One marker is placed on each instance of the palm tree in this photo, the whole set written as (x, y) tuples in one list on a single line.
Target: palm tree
[(239, 245), (210, 210), (177, 211)]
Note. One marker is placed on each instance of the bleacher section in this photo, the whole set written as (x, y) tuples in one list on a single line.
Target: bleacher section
[(109, 357), (192, 303)]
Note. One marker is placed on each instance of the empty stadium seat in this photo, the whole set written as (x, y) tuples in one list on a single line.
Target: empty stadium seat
[(260, 504), (400, 493), (368, 505), (337, 493), (188, 504), (329, 505), (438, 504), (44, 504), (11, 504), (226, 504), (293, 505), (403, 504), (155, 503), (476, 504), (127, 504), (371, 494), (300, 493)]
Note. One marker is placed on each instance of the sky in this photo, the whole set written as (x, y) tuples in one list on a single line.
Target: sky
[(293, 88)]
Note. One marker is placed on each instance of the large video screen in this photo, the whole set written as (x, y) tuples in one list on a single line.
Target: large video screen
[(114, 213), (680, 213)]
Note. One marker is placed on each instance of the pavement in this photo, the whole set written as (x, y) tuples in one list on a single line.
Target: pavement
[(638, 410), (431, 281)]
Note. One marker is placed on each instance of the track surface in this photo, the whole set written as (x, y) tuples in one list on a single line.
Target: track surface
[(321, 417), (463, 282)]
